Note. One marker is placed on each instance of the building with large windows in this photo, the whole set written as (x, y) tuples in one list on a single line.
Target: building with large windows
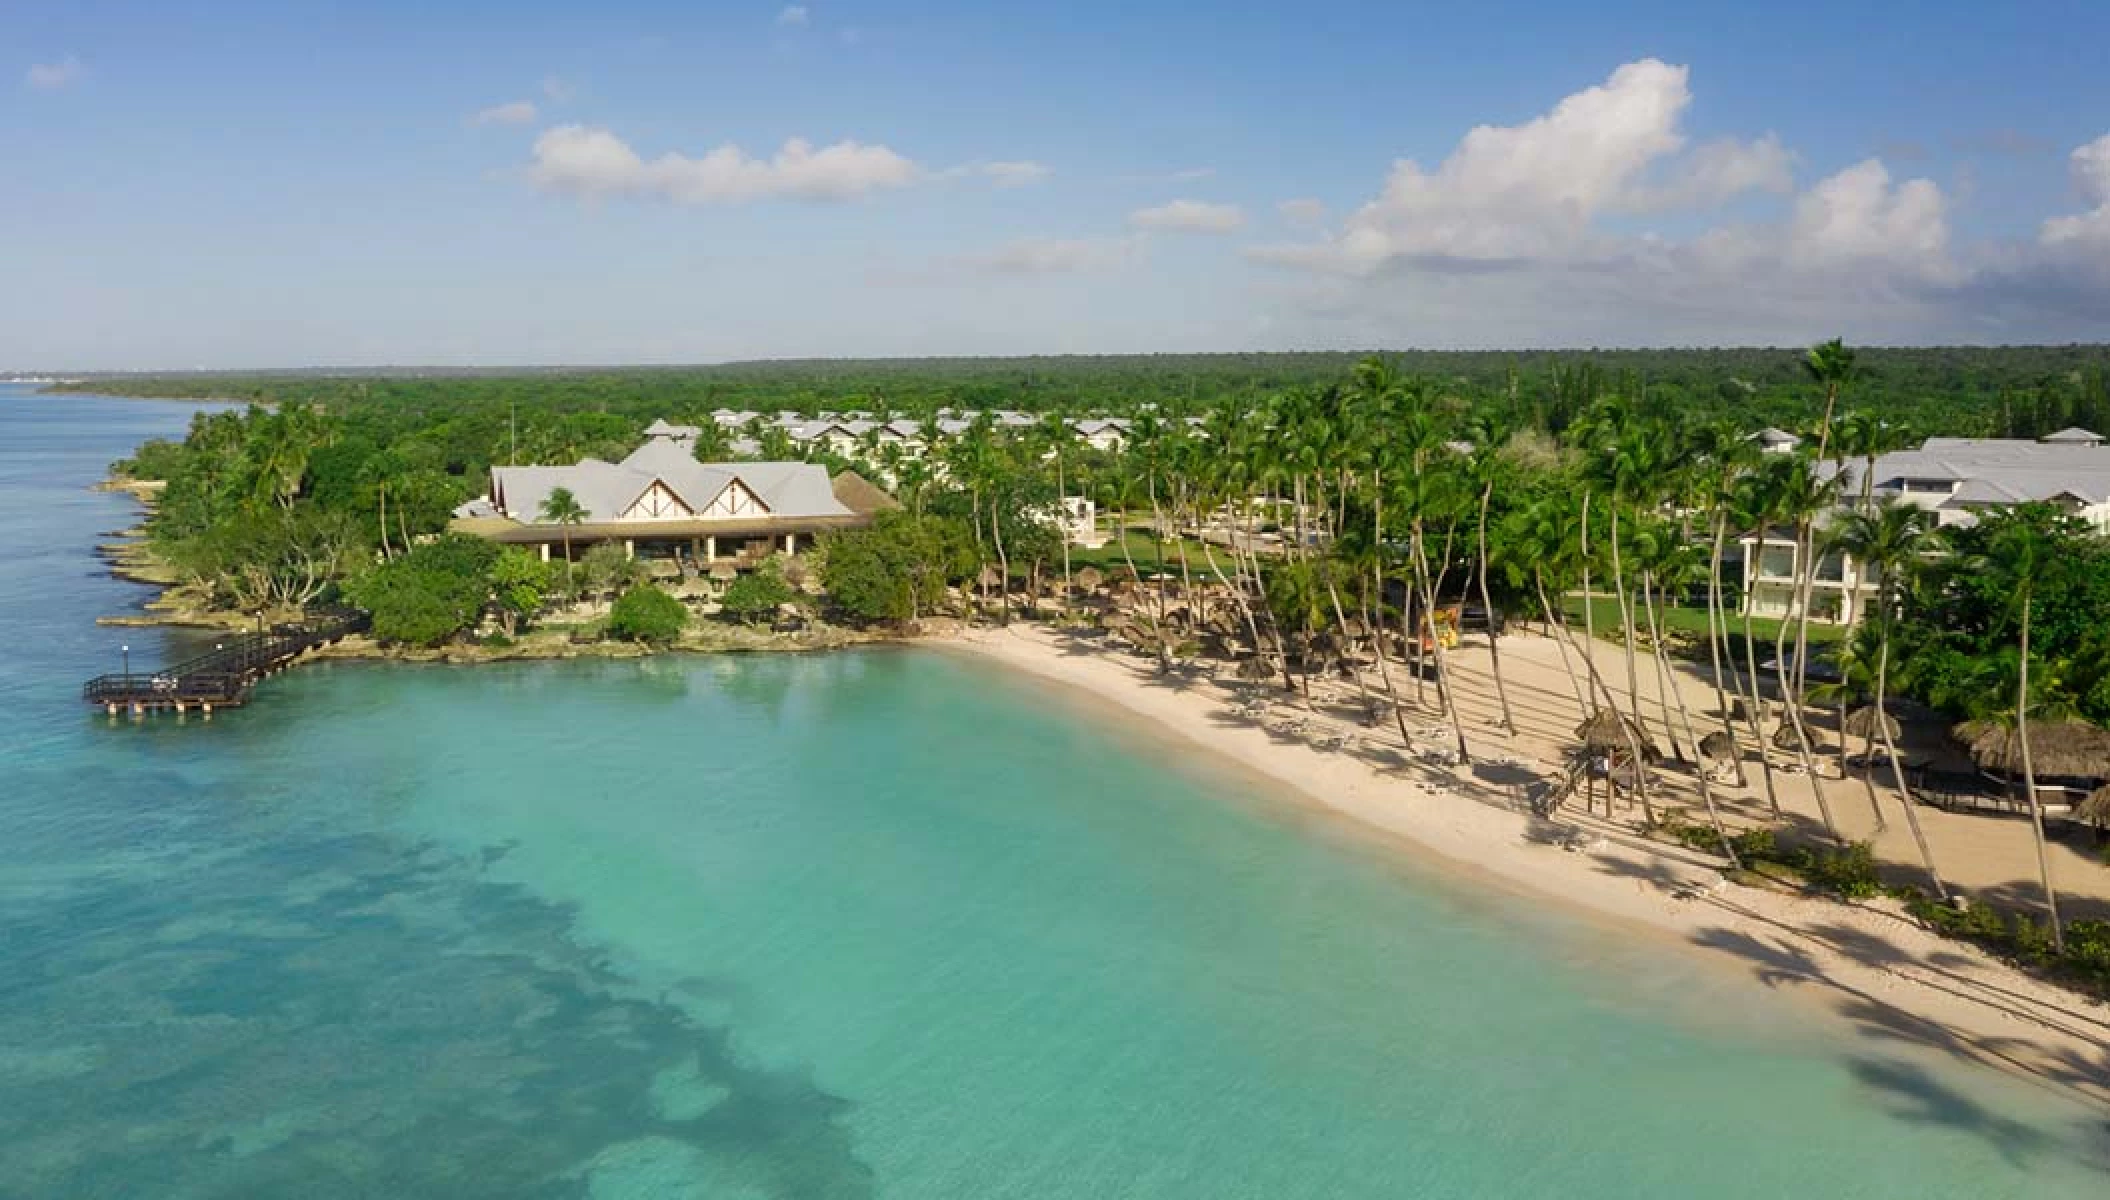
[(660, 503)]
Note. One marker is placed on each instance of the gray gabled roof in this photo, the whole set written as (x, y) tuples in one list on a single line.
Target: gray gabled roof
[(789, 490), (1994, 470), (2072, 435)]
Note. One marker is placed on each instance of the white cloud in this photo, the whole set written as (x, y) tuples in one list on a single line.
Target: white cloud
[(517, 112), (556, 90), (593, 162), (1189, 216), (1856, 219), (794, 14), (2090, 166), (1717, 172), (1014, 174), (1047, 256), (1533, 191), (50, 77), (1302, 211), (1538, 234)]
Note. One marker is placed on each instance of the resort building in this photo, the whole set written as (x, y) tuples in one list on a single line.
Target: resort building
[(660, 503), (1954, 478), (1775, 441)]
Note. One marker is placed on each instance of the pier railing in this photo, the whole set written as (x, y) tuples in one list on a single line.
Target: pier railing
[(224, 676)]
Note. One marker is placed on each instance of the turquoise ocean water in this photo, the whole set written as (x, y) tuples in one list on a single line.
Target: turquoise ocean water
[(876, 924)]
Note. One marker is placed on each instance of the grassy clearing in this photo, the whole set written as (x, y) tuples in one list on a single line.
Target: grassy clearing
[(1144, 548), (1691, 623)]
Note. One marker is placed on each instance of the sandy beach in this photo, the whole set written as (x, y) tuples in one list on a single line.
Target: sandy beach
[(1869, 964)]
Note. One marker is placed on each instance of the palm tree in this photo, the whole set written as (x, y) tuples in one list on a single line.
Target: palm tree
[(1489, 436), (1754, 507), (2017, 555), (1721, 454), (1798, 495), (562, 509), (1054, 435), (1889, 542), (1831, 364)]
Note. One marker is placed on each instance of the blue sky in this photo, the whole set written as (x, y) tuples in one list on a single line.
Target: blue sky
[(244, 184)]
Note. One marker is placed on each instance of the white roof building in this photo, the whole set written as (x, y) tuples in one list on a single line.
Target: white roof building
[(1956, 477), (661, 496)]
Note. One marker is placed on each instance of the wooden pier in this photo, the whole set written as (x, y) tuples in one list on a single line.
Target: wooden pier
[(222, 679)]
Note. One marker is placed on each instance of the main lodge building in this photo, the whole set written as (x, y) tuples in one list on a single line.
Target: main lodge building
[(660, 503)]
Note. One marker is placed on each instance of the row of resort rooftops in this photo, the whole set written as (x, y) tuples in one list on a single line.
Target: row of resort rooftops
[(842, 431), (1954, 478), (660, 502)]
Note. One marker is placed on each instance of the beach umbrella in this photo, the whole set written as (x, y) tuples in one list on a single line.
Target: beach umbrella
[(724, 572), (1784, 738), (1610, 731), (2095, 810), (1090, 578), (2057, 749), (1255, 669), (1861, 723), (1718, 746)]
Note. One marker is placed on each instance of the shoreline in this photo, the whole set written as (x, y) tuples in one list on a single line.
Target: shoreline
[(1877, 966), (130, 558), (1871, 966)]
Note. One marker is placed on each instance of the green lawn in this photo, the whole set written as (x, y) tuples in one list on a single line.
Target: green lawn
[(1144, 548), (1692, 623)]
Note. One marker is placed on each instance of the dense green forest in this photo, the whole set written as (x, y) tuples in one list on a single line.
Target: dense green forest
[(2018, 391)]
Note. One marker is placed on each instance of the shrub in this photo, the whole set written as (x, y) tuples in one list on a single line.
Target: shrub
[(646, 614), (431, 594), (1850, 871), (898, 568), (757, 594), (607, 567)]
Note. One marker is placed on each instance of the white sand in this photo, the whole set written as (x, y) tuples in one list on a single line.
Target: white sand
[(1868, 963)]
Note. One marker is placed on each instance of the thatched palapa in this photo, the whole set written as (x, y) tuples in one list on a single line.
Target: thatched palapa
[(2095, 810), (1784, 738), (2057, 749), (1613, 731), (1861, 723), (1719, 747)]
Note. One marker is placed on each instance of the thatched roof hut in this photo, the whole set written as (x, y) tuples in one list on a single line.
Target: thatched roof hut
[(859, 495), (2057, 749), (1861, 723), (1607, 729), (1255, 669)]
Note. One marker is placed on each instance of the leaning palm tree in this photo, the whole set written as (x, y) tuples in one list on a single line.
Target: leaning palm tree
[(2016, 556), (1831, 364), (1490, 434), (562, 509), (1888, 542), (1798, 498)]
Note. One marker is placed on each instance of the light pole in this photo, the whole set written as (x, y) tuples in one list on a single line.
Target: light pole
[(126, 652)]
